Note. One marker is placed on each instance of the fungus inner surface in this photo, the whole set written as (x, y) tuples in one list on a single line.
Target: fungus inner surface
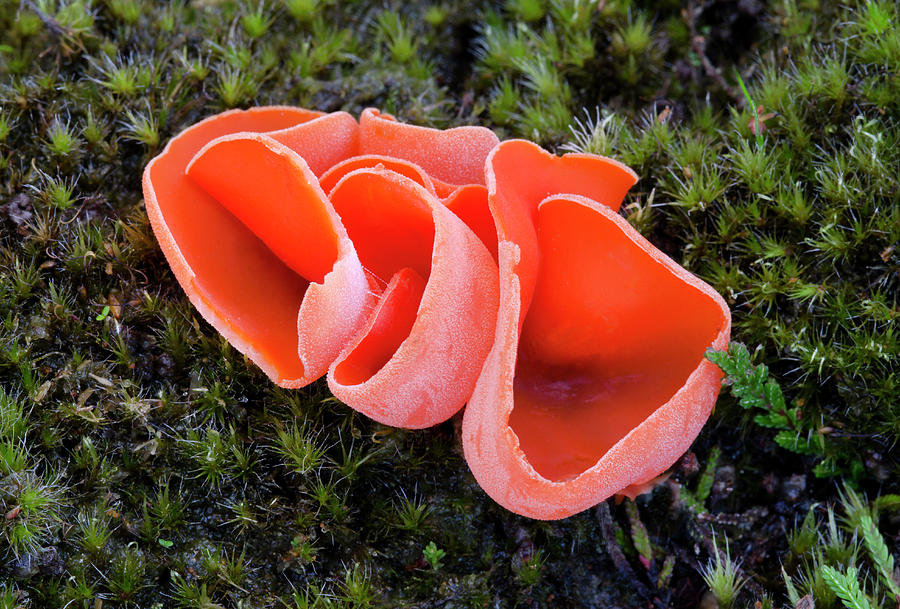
[(271, 190), (225, 253), (391, 225), (610, 335), (525, 175)]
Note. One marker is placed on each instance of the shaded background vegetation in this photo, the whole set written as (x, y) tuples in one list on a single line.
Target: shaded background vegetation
[(144, 462)]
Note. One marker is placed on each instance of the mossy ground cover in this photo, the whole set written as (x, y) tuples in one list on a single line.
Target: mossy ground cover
[(144, 462)]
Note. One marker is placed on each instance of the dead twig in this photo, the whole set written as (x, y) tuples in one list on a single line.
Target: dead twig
[(52, 24), (55, 27), (698, 44), (604, 517)]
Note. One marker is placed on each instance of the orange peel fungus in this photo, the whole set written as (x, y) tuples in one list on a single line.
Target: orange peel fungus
[(374, 281), (421, 269), (597, 380)]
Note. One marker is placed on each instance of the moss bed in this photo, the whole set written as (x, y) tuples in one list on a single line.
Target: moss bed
[(144, 462)]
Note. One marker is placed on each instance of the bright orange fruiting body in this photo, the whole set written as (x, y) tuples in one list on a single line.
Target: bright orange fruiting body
[(421, 269), (597, 379)]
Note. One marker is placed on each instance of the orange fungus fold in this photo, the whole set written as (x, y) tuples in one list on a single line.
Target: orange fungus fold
[(597, 379), (311, 243), (423, 269), (228, 253), (433, 262)]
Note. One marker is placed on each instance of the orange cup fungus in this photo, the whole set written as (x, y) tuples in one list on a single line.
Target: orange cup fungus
[(313, 247), (422, 269), (597, 381)]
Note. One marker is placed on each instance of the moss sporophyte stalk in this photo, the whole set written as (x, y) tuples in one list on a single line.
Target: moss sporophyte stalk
[(145, 461)]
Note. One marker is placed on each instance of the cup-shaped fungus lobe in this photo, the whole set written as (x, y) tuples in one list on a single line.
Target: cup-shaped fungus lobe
[(403, 308), (252, 239), (417, 360), (597, 379)]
